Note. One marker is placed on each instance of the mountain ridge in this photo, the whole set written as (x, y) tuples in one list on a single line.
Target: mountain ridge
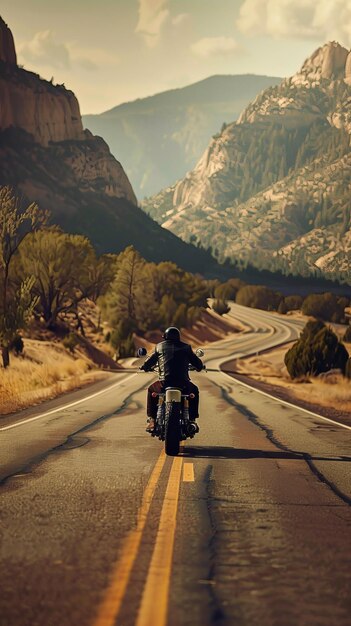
[(48, 158), (159, 138), (231, 194)]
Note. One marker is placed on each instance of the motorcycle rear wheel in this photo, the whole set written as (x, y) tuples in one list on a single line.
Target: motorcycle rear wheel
[(172, 428)]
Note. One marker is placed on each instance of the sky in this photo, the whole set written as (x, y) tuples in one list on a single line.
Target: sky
[(114, 51)]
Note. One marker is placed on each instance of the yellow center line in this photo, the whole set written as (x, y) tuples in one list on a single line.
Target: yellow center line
[(111, 604), (188, 473), (154, 602)]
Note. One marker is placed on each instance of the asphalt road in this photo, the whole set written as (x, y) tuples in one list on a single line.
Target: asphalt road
[(249, 525)]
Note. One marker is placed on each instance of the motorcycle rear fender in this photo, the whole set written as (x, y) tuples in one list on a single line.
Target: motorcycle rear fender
[(173, 395)]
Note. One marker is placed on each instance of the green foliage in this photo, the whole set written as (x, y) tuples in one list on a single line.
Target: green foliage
[(325, 306), (347, 335), (220, 306), (318, 350), (145, 296), (16, 305), (124, 348), (70, 342), (258, 297), (66, 271), (19, 309), (229, 289)]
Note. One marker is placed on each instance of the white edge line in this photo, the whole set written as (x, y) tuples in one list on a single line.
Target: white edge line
[(294, 406), (67, 406)]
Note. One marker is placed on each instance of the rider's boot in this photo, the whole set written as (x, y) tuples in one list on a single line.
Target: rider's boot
[(150, 425)]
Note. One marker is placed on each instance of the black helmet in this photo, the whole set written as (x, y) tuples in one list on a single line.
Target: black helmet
[(172, 333)]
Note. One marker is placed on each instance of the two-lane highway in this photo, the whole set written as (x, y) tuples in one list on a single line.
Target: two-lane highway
[(249, 525)]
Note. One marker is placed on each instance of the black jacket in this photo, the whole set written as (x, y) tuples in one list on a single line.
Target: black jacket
[(173, 358)]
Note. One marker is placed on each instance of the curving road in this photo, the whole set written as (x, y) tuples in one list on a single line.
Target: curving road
[(249, 525)]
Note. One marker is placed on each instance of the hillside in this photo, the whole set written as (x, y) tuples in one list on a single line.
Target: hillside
[(48, 158), (273, 188), (161, 137)]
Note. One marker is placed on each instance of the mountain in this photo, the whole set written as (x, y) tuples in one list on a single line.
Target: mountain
[(48, 158), (161, 137), (274, 187)]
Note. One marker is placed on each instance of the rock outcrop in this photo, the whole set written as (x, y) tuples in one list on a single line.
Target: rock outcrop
[(47, 112), (7, 45), (327, 62), (47, 157)]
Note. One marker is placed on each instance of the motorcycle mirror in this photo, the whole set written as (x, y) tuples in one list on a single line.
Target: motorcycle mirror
[(142, 352), (199, 352)]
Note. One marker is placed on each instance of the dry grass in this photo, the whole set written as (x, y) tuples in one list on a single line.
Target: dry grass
[(335, 394), (330, 392), (45, 372)]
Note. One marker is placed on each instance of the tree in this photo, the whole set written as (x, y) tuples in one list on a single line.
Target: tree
[(19, 309), (66, 271), (293, 303), (318, 350), (347, 335), (258, 297), (325, 306), (220, 306), (16, 222), (228, 290), (127, 304)]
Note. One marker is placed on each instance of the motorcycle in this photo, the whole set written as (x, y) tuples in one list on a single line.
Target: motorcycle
[(173, 424)]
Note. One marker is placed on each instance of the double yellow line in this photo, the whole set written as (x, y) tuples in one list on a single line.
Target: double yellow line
[(154, 602)]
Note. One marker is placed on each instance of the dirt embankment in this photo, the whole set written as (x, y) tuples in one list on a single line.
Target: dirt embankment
[(328, 395), (47, 369), (210, 327)]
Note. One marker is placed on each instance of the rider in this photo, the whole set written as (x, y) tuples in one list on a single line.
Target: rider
[(173, 357)]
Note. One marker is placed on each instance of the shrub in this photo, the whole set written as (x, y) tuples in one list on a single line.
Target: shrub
[(347, 335), (70, 342), (325, 306), (228, 290), (258, 297), (220, 307), (293, 303), (125, 348), (318, 350), (282, 308), (16, 345)]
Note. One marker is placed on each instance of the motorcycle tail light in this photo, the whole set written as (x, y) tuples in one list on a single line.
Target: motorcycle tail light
[(191, 395)]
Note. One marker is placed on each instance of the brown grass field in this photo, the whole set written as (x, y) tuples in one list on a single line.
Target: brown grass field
[(45, 371), (331, 392)]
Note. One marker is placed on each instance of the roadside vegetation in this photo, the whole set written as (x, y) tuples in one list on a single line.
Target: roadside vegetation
[(52, 283)]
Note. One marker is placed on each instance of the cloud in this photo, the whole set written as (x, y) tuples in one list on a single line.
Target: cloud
[(179, 19), (315, 19), (219, 46), (44, 50), (152, 16)]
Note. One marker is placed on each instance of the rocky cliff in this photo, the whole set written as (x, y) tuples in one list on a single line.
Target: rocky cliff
[(7, 45), (48, 158), (47, 112), (276, 179)]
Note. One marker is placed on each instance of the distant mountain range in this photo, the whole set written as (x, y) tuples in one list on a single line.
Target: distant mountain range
[(273, 188), (48, 158), (160, 138)]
